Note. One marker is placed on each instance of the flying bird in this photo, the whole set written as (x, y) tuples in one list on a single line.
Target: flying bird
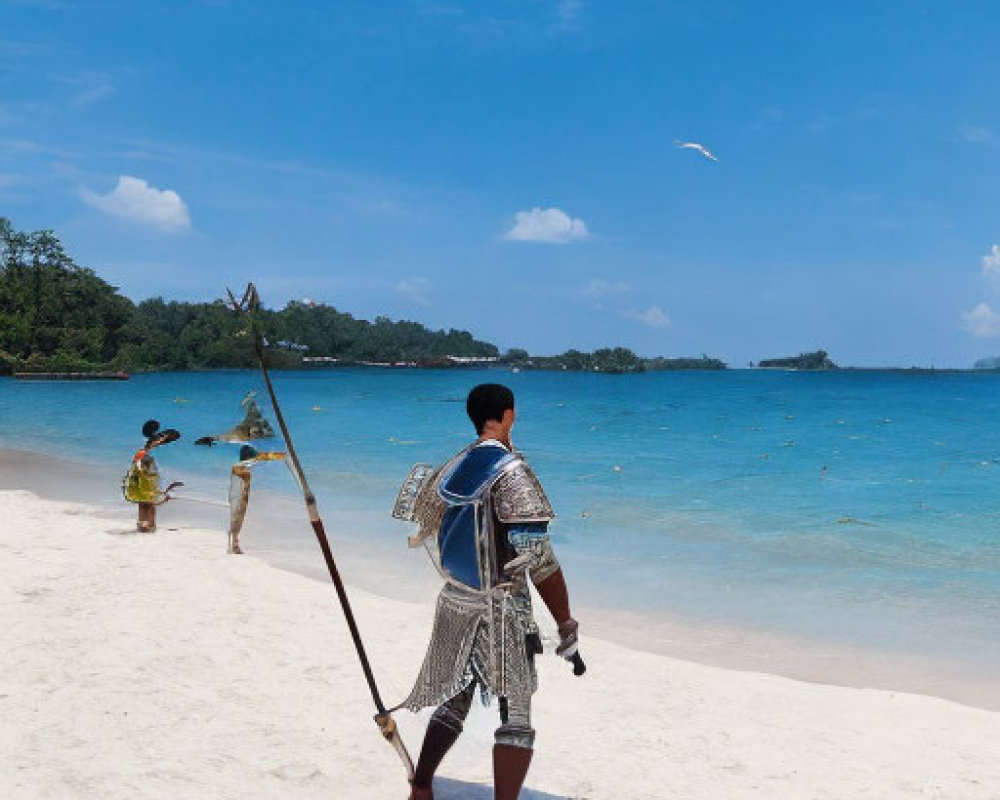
[(695, 146)]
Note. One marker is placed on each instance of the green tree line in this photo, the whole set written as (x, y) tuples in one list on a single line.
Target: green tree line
[(613, 360), (56, 315), (815, 360)]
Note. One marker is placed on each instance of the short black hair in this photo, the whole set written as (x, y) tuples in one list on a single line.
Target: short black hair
[(488, 401), (150, 428)]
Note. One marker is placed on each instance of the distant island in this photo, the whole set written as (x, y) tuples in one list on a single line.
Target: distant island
[(56, 316), (993, 362), (815, 361), (615, 360)]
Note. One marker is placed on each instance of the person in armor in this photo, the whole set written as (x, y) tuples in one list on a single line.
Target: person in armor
[(483, 517)]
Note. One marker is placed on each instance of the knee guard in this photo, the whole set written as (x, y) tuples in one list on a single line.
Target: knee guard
[(515, 736), (449, 718)]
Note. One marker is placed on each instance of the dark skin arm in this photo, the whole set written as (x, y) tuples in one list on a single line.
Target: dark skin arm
[(552, 589), (554, 593)]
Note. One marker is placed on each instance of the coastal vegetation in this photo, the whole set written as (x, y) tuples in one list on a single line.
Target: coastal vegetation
[(58, 316), (615, 360), (815, 360)]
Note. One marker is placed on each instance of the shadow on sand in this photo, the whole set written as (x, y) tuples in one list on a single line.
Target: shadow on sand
[(133, 532), (447, 789), (126, 532)]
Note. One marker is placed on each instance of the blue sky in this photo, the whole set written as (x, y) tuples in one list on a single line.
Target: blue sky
[(510, 167)]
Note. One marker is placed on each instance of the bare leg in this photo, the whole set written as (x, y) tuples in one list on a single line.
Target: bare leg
[(510, 766), (147, 518), (442, 732), (512, 752)]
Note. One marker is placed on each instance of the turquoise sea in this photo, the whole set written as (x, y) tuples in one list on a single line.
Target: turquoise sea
[(852, 507)]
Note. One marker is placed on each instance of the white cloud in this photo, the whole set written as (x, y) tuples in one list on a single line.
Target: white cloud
[(136, 200), (991, 263), (977, 134), (982, 321), (551, 225), (416, 290), (93, 89), (609, 296), (652, 316), (598, 289), (16, 146)]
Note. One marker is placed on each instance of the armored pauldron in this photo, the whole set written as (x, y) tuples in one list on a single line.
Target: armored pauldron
[(406, 500), (418, 501), (519, 497)]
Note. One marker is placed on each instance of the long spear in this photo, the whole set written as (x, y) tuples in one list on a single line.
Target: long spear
[(386, 724)]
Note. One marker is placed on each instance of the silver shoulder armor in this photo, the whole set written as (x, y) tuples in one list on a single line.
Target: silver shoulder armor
[(418, 502), (518, 496), (406, 500)]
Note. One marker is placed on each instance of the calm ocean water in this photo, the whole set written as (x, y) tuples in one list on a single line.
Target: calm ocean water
[(859, 507)]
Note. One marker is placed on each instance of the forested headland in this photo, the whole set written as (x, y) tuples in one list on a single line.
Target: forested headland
[(817, 360), (58, 316)]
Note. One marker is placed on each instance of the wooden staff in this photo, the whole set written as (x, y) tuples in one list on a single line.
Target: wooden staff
[(386, 724)]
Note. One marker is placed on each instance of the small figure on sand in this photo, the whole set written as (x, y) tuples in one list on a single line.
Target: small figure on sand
[(141, 484), (239, 490), (483, 517)]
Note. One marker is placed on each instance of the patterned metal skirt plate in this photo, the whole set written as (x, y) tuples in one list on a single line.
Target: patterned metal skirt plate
[(477, 635)]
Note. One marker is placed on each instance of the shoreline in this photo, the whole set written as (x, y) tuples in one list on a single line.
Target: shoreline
[(155, 666), (406, 576), (361, 365)]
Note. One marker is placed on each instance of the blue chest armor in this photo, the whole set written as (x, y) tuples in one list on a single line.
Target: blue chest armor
[(463, 490)]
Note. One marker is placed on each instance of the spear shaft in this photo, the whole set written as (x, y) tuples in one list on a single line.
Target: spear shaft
[(384, 719)]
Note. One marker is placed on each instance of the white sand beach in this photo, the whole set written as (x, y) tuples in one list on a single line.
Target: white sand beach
[(156, 666)]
